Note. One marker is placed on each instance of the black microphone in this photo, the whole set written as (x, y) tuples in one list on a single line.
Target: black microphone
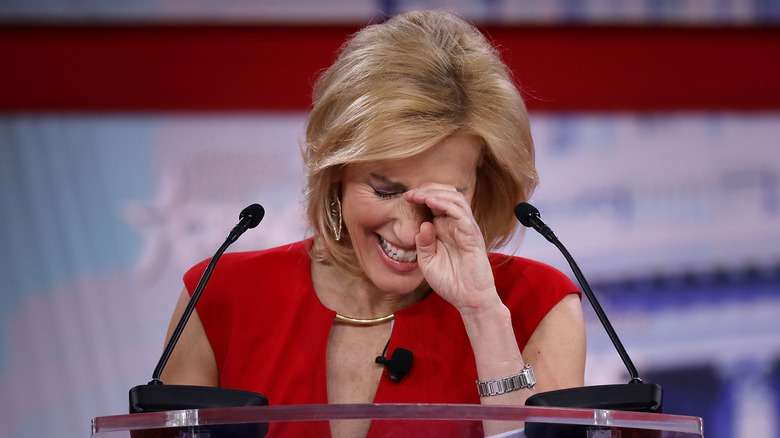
[(398, 365), (250, 217), (155, 396), (634, 396), (529, 216)]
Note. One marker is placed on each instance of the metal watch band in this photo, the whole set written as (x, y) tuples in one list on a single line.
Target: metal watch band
[(525, 379)]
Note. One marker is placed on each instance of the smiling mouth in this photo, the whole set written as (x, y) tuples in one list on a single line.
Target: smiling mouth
[(397, 254)]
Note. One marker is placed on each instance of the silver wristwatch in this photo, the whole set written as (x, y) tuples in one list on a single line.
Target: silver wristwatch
[(525, 379)]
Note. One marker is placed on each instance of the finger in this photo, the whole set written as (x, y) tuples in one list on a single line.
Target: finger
[(436, 186), (440, 201), (443, 207), (419, 194), (454, 220), (426, 243)]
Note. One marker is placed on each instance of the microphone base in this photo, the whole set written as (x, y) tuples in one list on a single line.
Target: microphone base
[(636, 397), (159, 397), (155, 398)]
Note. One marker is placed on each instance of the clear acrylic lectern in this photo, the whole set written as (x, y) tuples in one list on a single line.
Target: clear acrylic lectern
[(396, 420)]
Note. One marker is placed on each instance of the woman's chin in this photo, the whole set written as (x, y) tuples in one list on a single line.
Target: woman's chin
[(396, 281)]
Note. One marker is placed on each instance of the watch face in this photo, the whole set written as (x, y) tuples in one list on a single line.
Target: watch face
[(528, 373)]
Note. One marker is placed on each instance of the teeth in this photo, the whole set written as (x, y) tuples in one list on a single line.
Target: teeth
[(397, 253)]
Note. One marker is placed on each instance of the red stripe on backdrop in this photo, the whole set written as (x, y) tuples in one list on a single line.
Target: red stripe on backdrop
[(226, 68)]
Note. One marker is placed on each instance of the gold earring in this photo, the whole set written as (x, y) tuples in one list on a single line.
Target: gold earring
[(335, 214)]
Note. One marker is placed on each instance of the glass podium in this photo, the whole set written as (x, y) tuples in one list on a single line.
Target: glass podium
[(397, 420)]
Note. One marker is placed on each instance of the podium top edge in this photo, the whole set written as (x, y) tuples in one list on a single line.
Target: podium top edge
[(398, 411)]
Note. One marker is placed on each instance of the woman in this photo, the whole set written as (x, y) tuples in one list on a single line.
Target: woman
[(417, 148)]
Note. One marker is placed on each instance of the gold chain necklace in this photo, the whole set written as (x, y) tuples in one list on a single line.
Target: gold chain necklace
[(366, 322)]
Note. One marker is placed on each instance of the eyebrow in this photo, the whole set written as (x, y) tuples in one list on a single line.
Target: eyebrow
[(397, 186), (388, 183)]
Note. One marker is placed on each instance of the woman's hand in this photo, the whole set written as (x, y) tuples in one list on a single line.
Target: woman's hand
[(451, 251)]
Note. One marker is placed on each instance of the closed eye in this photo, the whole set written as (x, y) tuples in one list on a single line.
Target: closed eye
[(386, 195), (384, 187)]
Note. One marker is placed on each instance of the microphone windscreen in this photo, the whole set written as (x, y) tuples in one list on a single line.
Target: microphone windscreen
[(524, 212), (402, 360), (255, 213)]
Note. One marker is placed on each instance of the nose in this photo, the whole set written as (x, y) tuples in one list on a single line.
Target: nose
[(408, 220)]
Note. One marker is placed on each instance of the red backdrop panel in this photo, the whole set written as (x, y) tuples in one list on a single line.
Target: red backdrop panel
[(226, 68)]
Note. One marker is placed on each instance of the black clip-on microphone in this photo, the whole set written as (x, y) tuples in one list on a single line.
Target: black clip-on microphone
[(155, 396), (634, 396), (398, 365)]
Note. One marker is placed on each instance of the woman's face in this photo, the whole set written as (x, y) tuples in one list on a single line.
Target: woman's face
[(382, 225)]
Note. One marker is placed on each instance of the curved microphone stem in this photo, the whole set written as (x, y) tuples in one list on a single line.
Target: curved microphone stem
[(156, 397), (249, 218), (187, 313), (599, 312), (634, 396)]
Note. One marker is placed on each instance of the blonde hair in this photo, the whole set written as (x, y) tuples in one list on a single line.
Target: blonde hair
[(399, 88)]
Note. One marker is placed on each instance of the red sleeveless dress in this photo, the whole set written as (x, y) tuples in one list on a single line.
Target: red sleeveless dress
[(269, 332)]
